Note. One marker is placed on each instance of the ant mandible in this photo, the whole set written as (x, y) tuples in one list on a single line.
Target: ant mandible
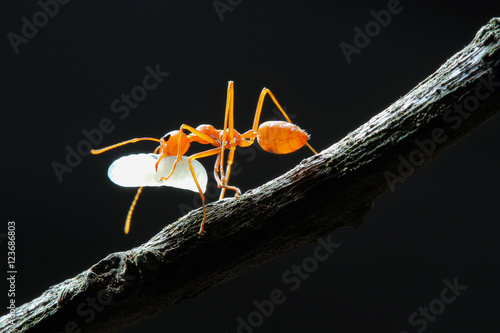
[(277, 137)]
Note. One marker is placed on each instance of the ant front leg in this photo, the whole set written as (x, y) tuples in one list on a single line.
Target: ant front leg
[(163, 179)]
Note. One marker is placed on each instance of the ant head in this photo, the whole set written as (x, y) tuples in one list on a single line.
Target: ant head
[(169, 143)]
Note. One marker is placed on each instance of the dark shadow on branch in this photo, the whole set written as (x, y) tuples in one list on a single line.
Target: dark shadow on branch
[(333, 189)]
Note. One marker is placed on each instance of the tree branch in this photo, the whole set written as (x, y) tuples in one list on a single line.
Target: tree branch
[(333, 189)]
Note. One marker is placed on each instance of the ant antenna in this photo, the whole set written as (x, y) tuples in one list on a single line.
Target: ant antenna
[(102, 150)]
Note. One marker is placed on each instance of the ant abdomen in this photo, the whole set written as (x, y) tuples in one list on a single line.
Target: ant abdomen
[(281, 137)]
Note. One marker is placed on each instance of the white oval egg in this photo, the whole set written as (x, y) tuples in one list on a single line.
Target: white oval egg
[(139, 170)]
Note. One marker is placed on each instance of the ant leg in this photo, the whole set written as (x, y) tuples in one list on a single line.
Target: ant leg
[(219, 182), (190, 159), (216, 171), (162, 179), (228, 130), (228, 172), (258, 111), (131, 210), (228, 124)]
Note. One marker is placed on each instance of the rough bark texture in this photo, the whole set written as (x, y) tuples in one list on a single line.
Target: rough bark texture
[(333, 189)]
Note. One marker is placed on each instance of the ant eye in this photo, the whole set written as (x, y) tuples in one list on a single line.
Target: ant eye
[(166, 137)]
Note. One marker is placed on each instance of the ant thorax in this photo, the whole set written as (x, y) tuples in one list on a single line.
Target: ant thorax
[(236, 139)]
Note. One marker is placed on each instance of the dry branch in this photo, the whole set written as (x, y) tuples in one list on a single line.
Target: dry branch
[(333, 189)]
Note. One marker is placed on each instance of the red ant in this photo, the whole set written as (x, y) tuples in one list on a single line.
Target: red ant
[(278, 137)]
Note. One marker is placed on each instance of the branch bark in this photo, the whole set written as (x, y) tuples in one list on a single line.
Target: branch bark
[(333, 189)]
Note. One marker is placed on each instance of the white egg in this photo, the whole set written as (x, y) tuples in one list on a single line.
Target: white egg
[(139, 170)]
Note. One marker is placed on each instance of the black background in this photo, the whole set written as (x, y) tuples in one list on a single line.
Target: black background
[(439, 224)]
